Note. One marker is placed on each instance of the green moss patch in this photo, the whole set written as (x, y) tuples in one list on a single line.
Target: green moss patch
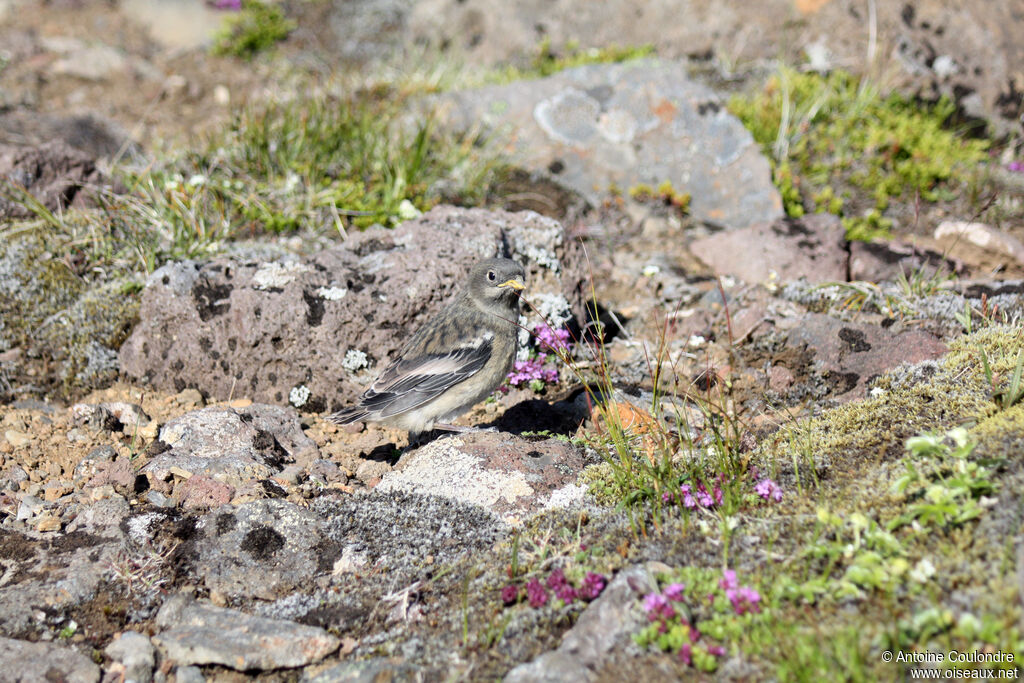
[(838, 145)]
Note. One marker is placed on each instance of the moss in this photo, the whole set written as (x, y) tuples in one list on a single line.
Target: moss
[(839, 146), (35, 284), (256, 28)]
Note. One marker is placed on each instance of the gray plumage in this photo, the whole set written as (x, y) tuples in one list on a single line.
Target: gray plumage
[(454, 361)]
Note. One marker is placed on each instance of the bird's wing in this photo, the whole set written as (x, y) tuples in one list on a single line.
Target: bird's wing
[(410, 382)]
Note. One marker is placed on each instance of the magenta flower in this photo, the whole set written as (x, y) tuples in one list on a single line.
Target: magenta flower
[(657, 608), (729, 581), (685, 654), (1016, 166), (525, 371), (566, 593), (556, 579), (593, 585), (716, 650), (536, 593), (509, 594), (551, 340), (766, 488), (674, 592), (744, 599)]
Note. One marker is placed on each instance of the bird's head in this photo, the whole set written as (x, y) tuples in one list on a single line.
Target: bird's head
[(497, 282)]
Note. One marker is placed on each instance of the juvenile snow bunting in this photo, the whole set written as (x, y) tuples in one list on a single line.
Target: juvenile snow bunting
[(454, 361)]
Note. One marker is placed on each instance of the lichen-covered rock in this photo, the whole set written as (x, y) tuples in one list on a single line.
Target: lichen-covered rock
[(312, 333), (501, 472), (601, 126)]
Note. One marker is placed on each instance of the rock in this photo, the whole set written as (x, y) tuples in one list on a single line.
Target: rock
[(89, 132), (45, 662), (951, 233), (136, 653), (55, 574), (222, 444), (612, 617), (886, 261), (200, 492), (328, 323), (202, 634), (365, 671), (812, 247), (499, 472), (53, 173), (850, 355), (595, 127), (17, 439), (260, 549), (119, 473)]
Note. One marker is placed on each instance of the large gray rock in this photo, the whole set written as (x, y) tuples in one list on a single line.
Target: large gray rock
[(260, 549), (314, 332), (619, 125), (25, 662), (204, 634), (500, 472)]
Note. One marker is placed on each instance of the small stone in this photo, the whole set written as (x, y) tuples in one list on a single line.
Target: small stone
[(240, 403), (189, 674), (180, 473), (29, 507), (17, 439), (52, 492), (190, 398), (221, 95), (48, 523), (203, 492), (158, 499), (136, 653)]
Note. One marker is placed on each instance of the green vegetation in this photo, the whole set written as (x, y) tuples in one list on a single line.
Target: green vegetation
[(835, 139), (257, 27), (546, 60), (665, 194)]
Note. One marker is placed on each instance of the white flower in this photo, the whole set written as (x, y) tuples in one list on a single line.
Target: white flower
[(354, 360), (298, 395)]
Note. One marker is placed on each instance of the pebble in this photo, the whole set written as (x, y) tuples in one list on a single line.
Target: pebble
[(48, 523), (17, 439)]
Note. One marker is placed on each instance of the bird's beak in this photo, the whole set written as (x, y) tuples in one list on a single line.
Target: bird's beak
[(514, 284)]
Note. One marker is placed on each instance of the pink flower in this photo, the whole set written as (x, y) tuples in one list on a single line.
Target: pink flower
[(744, 599), (566, 593), (729, 581), (657, 607), (536, 594), (593, 585), (685, 654), (509, 594), (716, 650), (674, 592), (556, 579), (766, 488), (551, 340)]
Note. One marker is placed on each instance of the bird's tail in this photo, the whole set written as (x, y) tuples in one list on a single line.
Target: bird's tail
[(348, 415)]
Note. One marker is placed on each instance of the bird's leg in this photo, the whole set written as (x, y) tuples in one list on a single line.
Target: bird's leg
[(461, 429)]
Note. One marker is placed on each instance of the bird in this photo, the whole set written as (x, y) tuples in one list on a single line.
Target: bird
[(455, 360)]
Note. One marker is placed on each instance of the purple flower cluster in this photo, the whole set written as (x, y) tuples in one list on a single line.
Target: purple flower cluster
[(537, 595), (659, 608), (532, 369), (768, 489), (526, 371), (1016, 166), (690, 497), (743, 598), (551, 340)]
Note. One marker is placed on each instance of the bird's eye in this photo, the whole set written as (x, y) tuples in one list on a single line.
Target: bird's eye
[(490, 275)]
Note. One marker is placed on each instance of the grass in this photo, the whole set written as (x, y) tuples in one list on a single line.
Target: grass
[(317, 164), (257, 27), (838, 145), (547, 60)]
